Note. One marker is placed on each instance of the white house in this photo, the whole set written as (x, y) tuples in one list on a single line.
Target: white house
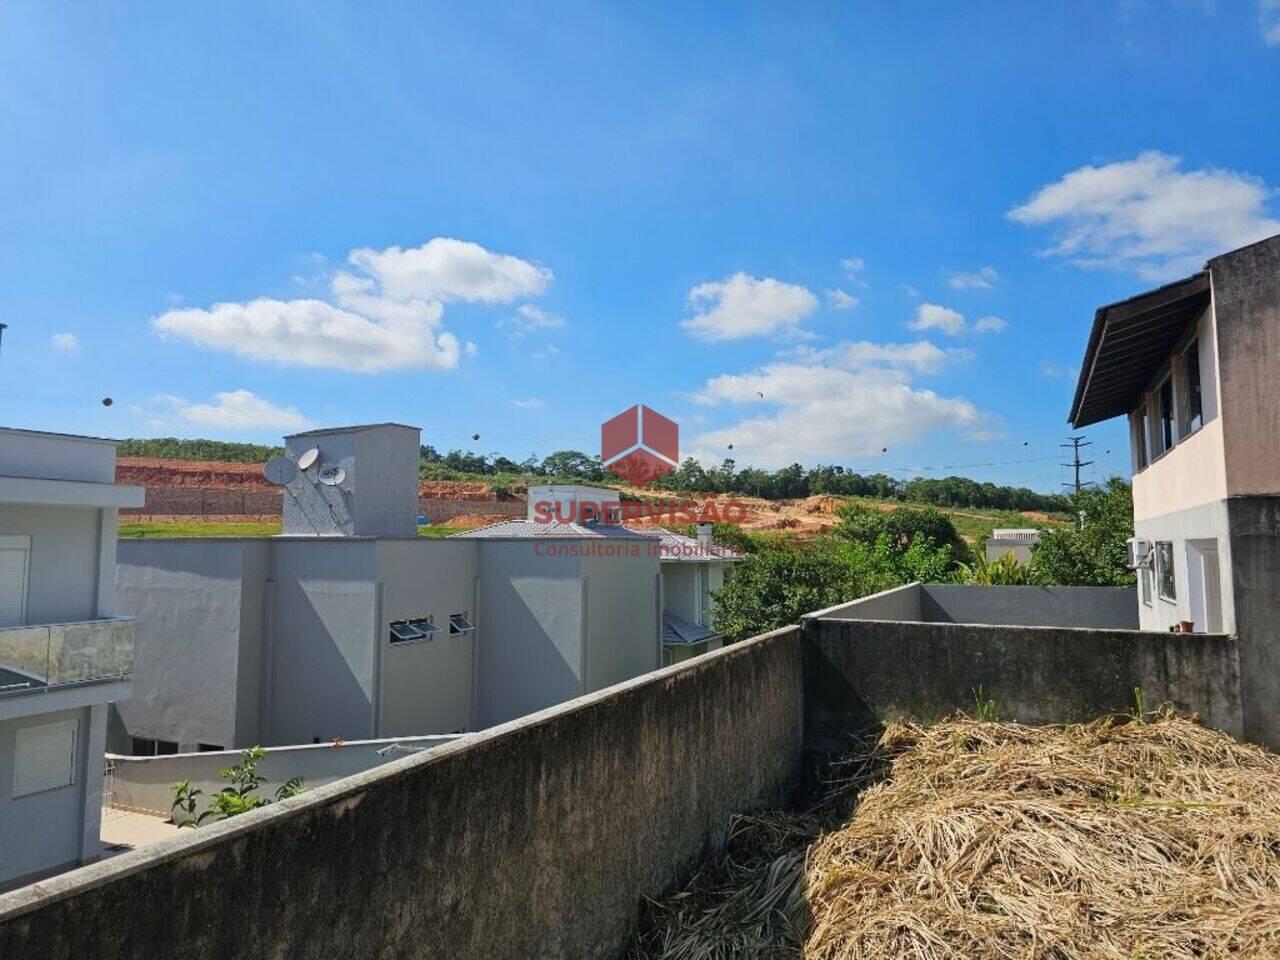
[(64, 654)]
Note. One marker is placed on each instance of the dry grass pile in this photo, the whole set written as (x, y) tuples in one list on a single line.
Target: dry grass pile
[(751, 902), (1112, 839)]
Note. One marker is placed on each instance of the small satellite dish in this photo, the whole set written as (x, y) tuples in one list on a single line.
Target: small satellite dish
[(331, 475), (280, 471), (308, 459)]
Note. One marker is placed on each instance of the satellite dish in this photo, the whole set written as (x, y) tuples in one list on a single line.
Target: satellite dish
[(280, 471), (331, 475), (308, 459)]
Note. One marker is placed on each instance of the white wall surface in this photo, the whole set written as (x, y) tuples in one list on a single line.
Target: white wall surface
[(623, 638), (63, 577), (56, 457)]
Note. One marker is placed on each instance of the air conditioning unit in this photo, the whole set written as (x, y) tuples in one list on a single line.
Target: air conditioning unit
[(1139, 553)]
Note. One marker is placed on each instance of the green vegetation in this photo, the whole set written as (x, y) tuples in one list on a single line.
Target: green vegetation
[(436, 532), (869, 550), (138, 531), (171, 448), (239, 796), (1091, 552)]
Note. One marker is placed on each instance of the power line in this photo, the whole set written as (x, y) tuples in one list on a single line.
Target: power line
[(1075, 444)]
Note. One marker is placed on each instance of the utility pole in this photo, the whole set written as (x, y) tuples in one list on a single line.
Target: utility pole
[(1076, 444)]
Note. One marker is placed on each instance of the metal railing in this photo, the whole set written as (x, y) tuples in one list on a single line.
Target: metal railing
[(45, 656)]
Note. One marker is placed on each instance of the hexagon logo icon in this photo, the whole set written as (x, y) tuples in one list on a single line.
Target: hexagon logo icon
[(640, 445)]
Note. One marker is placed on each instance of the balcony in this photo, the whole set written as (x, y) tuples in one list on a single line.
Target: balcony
[(50, 656)]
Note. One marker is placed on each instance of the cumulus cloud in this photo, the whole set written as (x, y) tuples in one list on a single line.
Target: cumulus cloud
[(237, 410), (983, 279), (910, 291), (989, 325), (922, 356), (385, 313), (834, 405), (66, 342), (533, 403), (930, 316), (1148, 216), (742, 306), (841, 300), (1269, 21)]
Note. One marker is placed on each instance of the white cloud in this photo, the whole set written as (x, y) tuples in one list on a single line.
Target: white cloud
[(990, 325), (533, 403), (446, 269), (66, 342), (742, 306), (910, 291), (386, 315), (983, 279), (548, 352), (237, 410), (930, 316), (853, 265), (922, 356), (836, 405), (841, 300), (1148, 216), (1057, 371), (529, 318), (1269, 21)]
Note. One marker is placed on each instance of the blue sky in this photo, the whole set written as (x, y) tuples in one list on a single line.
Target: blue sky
[(812, 233)]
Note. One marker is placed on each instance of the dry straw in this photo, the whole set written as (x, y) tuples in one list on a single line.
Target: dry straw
[(1115, 839)]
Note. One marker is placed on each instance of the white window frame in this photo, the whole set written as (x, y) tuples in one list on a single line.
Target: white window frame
[(1145, 588), (29, 781), (1158, 420), (1184, 405), (21, 543), (1160, 565)]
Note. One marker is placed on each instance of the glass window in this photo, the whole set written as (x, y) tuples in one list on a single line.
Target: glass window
[(458, 623), (412, 631), (210, 747), (1165, 581), (1193, 415), (1144, 583), (1138, 438), (1164, 412)]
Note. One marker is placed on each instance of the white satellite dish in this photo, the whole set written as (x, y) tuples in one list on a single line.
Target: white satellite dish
[(308, 459), (280, 471), (331, 475)]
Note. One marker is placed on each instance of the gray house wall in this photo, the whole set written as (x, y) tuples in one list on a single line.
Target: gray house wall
[(195, 633), (531, 632), (623, 611), (427, 686), (321, 641), (62, 584), (44, 831)]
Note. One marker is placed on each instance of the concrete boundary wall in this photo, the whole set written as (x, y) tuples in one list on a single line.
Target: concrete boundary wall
[(146, 783), (859, 674), (537, 838)]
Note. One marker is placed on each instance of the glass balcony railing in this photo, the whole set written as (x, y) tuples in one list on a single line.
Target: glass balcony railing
[(47, 656)]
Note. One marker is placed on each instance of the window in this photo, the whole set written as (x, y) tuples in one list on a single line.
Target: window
[(460, 623), (147, 747), (414, 631), (1193, 410), (210, 747), (1138, 438), (1165, 581), (1144, 584), (15, 555), (1164, 414), (44, 757)]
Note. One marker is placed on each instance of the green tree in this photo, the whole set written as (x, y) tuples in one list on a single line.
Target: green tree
[(1092, 553), (239, 796), (862, 524)]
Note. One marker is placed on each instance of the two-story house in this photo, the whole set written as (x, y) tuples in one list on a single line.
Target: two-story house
[(64, 656), (1193, 366)]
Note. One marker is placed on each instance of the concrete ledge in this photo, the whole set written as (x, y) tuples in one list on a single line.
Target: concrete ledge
[(537, 838)]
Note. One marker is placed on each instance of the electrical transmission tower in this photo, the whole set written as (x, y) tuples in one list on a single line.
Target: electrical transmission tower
[(1075, 445)]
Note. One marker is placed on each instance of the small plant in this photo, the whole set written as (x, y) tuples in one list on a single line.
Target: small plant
[(239, 796), (1004, 571), (1139, 706), (984, 708)]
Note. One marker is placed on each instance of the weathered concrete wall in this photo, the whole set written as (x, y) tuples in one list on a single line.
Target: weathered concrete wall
[(858, 674), (536, 839), (900, 603), (1102, 608), (1255, 574), (146, 783)]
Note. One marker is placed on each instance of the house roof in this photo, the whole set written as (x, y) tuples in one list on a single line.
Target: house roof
[(529, 530), (678, 631), (354, 428), (1129, 343), (678, 547)]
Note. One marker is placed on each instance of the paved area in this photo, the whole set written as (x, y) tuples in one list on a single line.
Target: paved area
[(123, 830)]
